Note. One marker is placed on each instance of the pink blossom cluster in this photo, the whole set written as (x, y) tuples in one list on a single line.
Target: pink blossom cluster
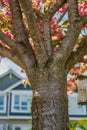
[(63, 8), (82, 8), (37, 4), (9, 34), (71, 84), (5, 1), (7, 14), (56, 31)]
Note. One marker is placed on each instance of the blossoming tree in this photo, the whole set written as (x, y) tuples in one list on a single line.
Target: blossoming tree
[(45, 37)]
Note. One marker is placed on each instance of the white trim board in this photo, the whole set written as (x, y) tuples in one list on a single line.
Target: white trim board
[(75, 118), (16, 117), (11, 71)]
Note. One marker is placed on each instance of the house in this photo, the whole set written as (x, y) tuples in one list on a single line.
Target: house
[(78, 100), (15, 102)]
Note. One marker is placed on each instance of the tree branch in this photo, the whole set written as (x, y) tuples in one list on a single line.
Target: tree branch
[(47, 35), (75, 26), (18, 49), (9, 54), (19, 32), (38, 13), (56, 6), (84, 19), (73, 11), (40, 51), (77, 56), (7, 40)]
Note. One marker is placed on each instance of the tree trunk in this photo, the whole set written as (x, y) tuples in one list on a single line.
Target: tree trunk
[(50, 104)]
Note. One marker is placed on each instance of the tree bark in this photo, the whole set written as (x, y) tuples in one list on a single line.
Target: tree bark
[(50, 104)]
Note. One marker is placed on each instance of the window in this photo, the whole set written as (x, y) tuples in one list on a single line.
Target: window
[(21, 102), (22, 127), (2, 104)]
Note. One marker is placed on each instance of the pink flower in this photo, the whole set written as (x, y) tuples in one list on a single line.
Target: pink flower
[(7, 14), (9, 34), (5, 1)]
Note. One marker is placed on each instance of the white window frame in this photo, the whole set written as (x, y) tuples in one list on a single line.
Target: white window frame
[(5, 104), (20, 93)]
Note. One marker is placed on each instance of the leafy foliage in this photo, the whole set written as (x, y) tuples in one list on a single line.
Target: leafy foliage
[(81, 124)]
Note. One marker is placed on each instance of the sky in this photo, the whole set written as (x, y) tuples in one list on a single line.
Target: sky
[(6, 64)]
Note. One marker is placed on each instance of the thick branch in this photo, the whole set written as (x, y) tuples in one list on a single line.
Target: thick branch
[(40, 51), (7, 40), (74, 29), (19, 50), (47, 36), (12, 56), (77, 56), (73, 11), (38, 13), (57, 6), (19, 31)]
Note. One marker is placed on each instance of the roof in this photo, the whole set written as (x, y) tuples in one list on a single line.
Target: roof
[(11, 87), (7, 83), (11, 71)]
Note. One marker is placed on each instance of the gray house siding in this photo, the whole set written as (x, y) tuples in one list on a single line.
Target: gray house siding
[(7, 81)]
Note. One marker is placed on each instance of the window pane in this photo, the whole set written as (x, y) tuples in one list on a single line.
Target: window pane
[(1, 108), (17, 107), (17, 128), (1, 100), (16, 99), (24, 103), (24, 108)]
